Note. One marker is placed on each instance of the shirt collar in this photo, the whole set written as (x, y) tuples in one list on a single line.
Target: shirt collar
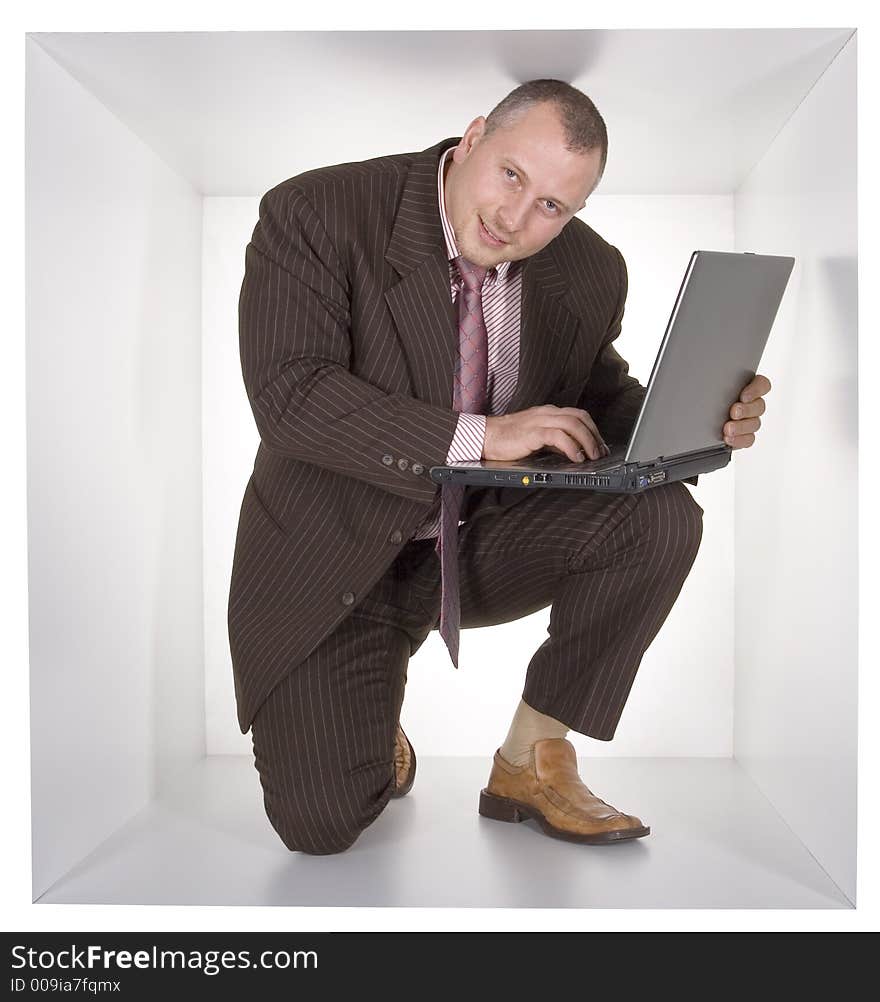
[(451, 246)]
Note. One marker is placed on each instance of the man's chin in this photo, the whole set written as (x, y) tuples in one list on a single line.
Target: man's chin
[(484, 257)]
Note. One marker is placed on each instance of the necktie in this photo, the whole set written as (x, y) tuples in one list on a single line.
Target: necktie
[(470, 396)]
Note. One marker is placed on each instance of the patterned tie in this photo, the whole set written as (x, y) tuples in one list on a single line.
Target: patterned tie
[(470, 396)]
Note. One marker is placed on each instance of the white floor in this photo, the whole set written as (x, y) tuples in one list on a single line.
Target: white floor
[(715, 842)]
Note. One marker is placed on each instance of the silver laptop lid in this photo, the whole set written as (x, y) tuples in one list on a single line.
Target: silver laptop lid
[(712, 348)]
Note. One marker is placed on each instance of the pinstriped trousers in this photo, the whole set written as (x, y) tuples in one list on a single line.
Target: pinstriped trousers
[(610, 567)]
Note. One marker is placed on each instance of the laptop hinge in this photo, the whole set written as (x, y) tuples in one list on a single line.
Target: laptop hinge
[(687, 457)]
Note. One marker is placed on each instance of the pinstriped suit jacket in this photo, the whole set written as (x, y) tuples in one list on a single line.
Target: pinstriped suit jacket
[(348, 339)]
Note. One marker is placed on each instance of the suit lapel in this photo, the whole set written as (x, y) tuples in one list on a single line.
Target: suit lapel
[(547, 327), (420, 303), (425, 315)]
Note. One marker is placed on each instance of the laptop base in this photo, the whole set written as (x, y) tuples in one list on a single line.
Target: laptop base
[(625, 478)]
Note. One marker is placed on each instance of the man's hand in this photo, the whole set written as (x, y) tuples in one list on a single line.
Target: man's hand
[(740, 432), (567, 430)]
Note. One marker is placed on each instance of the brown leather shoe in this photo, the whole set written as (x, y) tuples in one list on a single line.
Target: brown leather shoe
[(404, 764), (550, 790)]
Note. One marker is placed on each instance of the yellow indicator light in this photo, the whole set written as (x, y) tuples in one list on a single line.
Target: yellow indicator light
[(526, 480)]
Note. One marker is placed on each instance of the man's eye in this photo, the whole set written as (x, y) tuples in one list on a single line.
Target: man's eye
[(555, 206), (509, 171)]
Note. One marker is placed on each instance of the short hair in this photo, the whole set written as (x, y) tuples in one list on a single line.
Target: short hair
[(582, 124)]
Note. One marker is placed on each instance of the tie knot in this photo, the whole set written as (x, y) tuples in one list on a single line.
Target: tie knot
[(473, 275)]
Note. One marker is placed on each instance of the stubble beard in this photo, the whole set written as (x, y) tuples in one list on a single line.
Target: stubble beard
[(483, 255)]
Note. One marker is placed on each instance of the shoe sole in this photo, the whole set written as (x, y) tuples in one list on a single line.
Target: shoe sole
[(504, 809), (407, 786)]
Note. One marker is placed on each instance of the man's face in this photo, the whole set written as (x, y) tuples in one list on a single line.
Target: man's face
[(520, 183)]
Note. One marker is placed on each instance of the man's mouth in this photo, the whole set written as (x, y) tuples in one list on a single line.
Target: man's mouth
[(489, 236)]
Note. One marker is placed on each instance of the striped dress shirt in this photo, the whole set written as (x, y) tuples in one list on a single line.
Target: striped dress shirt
[(502, 298)]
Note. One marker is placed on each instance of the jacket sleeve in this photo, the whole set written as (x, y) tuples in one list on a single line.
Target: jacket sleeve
[(295, 345), (612, 396)]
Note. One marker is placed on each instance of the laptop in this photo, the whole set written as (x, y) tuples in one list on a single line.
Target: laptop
[(712, 347)]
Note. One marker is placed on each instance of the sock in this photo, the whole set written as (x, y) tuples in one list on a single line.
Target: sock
[(528, 726)]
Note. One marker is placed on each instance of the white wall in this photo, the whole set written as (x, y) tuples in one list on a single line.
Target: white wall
[(682, 700), (114, 469), (796, 500), (116, 246), (229, 441)]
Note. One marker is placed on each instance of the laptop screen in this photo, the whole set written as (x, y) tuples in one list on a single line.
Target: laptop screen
[(712, 347)]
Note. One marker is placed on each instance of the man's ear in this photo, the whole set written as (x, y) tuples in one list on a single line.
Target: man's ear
[(471, 134)]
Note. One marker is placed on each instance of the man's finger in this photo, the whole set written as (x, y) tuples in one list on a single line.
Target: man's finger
[(589, 442), (570, 446), (747, 427), (758, 387), (754, 409), (740, 441), (592, 428)]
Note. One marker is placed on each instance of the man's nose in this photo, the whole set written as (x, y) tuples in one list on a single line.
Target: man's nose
[(512, 215)]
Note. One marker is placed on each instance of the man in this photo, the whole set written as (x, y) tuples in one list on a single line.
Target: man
[(401, 312)]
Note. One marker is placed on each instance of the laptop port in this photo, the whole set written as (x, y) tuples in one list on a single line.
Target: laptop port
[(542, 478), (653, 478)]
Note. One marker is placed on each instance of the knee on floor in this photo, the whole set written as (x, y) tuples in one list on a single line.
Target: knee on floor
[(325, 828), (315, 847), (314, 839)]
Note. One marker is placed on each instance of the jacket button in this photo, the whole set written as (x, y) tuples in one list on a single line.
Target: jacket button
[(417, 468), (396, 536), (402, 464), (387, 460), (348, 598)]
